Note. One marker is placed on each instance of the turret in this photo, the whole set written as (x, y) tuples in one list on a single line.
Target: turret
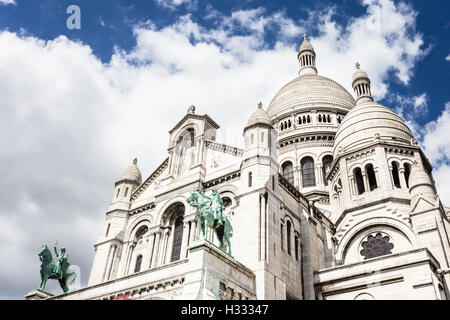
[(307, 58), (260, 151), (127, 183), (361, 85)]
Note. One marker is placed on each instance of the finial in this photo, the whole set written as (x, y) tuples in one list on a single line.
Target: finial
[(260, 105), (357, 65), (191, 110), (305, 36), (135, 161)]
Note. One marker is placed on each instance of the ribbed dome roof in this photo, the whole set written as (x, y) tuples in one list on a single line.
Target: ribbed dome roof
[(259, 117), (307, 91), (306, 45), (369, 122), (359, 74), (132, 173)]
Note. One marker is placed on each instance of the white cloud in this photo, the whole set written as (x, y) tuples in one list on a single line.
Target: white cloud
[(448, 58), (173, 4), (71, 124), (382, 40), (437, 148), (7, 2)]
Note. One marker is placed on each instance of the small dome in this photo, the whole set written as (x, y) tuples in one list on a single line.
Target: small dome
[(132, 174), (359, 74), (420, 181), (306, 45), (369, 122), (259, 117)]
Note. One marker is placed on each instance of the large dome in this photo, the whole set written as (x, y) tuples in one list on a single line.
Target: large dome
[(309, 91), (369, 122)]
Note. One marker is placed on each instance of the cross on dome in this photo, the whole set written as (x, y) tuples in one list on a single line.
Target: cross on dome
[(260, 105), (357, 65), (305, 36), (135, 161)]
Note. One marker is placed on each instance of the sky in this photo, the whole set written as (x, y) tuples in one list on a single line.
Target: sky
[(77, 106)]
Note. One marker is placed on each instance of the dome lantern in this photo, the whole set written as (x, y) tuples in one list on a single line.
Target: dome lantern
[(307, 58), (361, 85)]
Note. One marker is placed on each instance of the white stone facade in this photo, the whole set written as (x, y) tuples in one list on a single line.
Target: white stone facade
[(331, 198)]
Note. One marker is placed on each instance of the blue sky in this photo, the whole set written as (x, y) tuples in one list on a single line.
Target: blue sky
[(78, 105)]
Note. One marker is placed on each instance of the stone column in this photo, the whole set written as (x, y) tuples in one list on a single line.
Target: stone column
[(192, 232), (163, 251), (297, 176), (169, 245), (114, 250), (197, 231), (262, 233), (184, 241), (365, 179), (156, 249), (128, 261), (401, 173), (320, 174), (152, 246)]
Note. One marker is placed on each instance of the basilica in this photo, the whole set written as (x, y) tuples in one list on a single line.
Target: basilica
[(331, 197)]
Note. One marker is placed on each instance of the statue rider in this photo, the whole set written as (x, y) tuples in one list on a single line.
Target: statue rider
[(216, 205), (61, 262)]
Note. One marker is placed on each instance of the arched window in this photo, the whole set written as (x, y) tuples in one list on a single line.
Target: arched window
[(252, 139), (288, 171), (250, 179), (407, 167), (370, 172), (320, 118), (126, 192), (137, 268), (308, 119), (296, 247), (226, 202), (359, 181), (141, 232), (289, 123), (395, 175), (282, 126), (329, 118), (376, 246), (107, 229), (262, 137), (308, 175), (326, 162), (288, 238), (177, 238), (118, 193)]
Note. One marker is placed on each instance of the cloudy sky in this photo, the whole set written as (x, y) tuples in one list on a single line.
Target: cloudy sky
[(76, 106)]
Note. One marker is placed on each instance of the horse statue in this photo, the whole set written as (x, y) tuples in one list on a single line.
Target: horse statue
[(55, 269), (210, 215)]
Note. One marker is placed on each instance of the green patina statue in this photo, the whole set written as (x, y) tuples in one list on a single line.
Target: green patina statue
[(210, 215), (55, 269)]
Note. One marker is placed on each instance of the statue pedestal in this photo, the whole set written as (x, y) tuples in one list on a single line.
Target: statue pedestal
[(213, 275), (38, 295)]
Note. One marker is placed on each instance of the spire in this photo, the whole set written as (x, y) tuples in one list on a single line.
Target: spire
[(307, 58), (361, 85)]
